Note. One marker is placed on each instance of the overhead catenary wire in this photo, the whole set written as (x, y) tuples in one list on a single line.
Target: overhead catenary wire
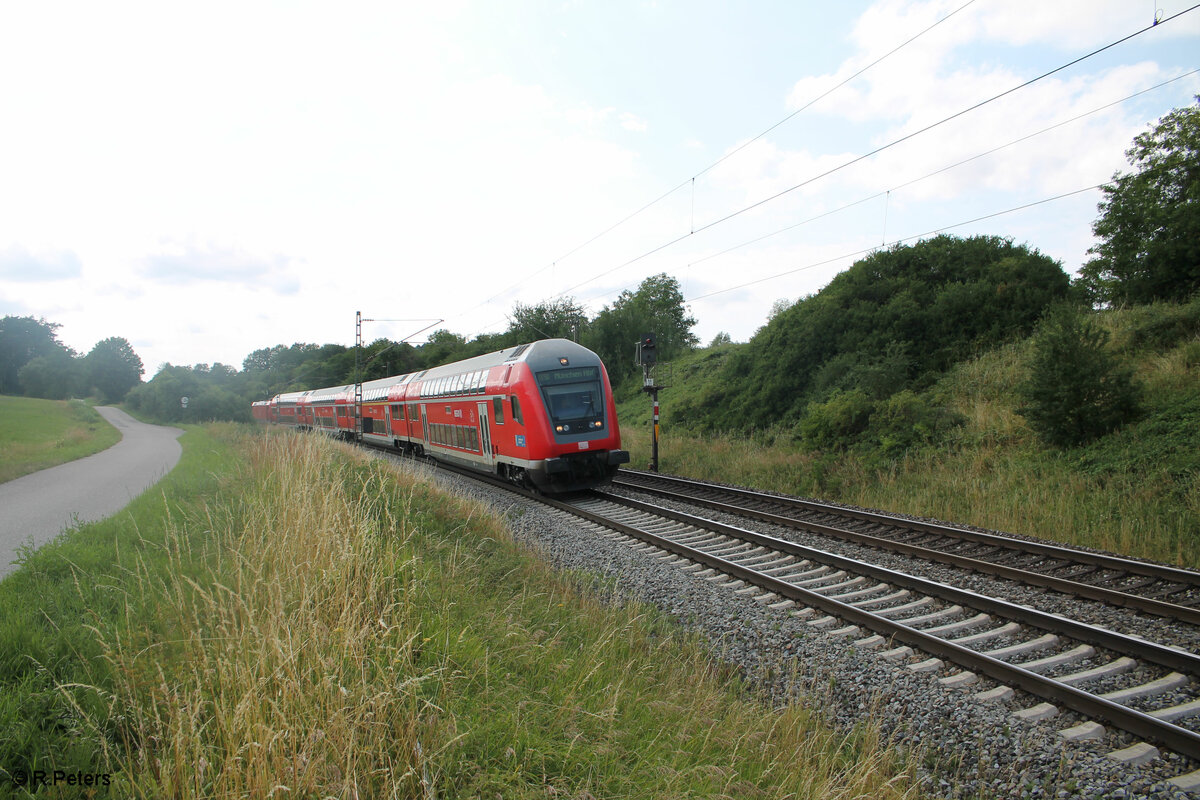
[(876, 151), (722, 159), (940, 170), (867, 250)]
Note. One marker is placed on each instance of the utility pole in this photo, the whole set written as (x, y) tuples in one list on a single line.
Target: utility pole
[(647, 356), (360, 367), (358, 321)]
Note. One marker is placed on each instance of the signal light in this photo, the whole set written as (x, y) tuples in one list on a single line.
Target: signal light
[(647, 352)]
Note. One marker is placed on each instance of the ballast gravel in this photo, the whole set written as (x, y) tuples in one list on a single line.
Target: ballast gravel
[(965, 748)]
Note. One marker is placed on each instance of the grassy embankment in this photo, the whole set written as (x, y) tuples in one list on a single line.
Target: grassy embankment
[(240, 633), (35, 434), (1136, 491)]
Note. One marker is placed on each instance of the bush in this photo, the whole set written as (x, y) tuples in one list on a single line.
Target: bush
[(1076, 390), (906, 420), (837, 423)]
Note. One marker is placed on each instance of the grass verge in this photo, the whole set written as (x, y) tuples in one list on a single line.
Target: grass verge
[(291, 618), (35, 434)]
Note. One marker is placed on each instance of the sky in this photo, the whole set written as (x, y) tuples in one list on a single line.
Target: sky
[(209, 179)]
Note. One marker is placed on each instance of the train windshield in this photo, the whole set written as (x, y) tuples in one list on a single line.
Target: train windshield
[(574, 398)]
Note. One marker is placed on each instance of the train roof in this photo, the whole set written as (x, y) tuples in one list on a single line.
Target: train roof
[(539, 355)]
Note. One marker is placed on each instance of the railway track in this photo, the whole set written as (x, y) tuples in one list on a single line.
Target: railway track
[(1148, 694), (1128, 583), (1134, 685)]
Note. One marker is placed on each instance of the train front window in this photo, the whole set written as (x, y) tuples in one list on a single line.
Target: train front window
[(574, 399)]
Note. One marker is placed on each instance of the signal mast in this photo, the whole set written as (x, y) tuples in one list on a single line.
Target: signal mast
[(647, 356)]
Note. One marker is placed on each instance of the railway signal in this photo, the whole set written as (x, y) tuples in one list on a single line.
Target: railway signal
[(647, 350), (647, 356)]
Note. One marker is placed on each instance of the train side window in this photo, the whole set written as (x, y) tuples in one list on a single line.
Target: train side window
[(498, 410), (516, 406)]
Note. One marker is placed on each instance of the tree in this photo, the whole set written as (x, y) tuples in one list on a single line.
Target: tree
[(1149, 224), (442, 347), (113, 368), (1076, 390), (553, 319), (54, 377), (721, 339), (23, 339), (656, 307)]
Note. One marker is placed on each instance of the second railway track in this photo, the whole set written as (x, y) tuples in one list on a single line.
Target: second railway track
[(1139, 585)]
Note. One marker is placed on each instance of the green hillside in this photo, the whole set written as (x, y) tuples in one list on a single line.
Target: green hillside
[(895, 320), (959, 450)]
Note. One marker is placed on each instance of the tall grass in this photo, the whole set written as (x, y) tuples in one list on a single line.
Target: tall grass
[(318, 624), (273, 678)]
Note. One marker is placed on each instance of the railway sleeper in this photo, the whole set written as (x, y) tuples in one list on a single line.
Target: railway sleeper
[(784, 576), (899, 594), (1167, 683), (1040, 643), (850, 584), (961, 625), (1007, 629), (1117, 667), (870, 590), (1049, 662), (1181, 711), (933, 616), (808, 583), (895, 610)]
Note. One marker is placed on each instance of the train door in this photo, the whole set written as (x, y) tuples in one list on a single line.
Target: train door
[(485, 436)]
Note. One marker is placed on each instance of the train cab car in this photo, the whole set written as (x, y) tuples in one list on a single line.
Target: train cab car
[(540, 414), (559, 394)]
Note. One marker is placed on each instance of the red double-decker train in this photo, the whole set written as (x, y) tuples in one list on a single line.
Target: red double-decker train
[(541, 415)]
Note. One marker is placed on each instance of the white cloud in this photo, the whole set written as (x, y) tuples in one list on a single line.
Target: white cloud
[(188, 264), (19, 264), (632, 122)]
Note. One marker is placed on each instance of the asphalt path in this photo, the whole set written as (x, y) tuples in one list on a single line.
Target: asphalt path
[(38, 507)]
